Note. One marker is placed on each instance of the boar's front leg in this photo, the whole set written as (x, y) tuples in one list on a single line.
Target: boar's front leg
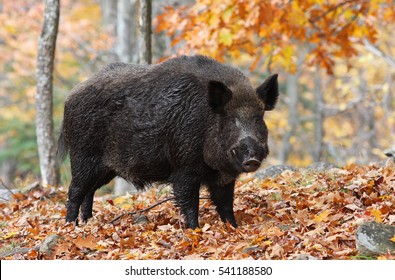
[(222, 197), (186, 191)]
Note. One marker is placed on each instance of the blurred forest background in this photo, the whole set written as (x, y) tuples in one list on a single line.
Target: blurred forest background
[(335, 59)]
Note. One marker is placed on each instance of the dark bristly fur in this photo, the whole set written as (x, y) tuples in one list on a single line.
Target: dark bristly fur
[(189, 121)]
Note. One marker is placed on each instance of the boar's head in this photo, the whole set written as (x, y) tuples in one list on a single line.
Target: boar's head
[(237, 141)]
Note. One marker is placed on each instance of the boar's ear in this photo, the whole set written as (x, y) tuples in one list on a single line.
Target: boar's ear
[(268, 92), (218, 95)]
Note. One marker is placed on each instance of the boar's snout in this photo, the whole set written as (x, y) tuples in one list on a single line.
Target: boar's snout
[(249, 154), (251, 165)]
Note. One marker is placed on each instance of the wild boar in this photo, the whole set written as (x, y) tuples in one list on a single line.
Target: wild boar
[(189, 121)]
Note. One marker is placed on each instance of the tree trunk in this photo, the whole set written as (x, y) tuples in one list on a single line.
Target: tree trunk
[(122, 187), (144, 31), (365, 139), (124, 30), (7, 167), (292, 94), (293, 116), (318, 117), (44, 101), (387, 103), (109, 14)]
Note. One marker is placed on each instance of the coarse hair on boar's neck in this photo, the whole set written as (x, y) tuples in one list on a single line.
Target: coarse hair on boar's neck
[(189, 121)]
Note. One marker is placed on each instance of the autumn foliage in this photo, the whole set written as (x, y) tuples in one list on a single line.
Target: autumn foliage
[(276, 29), (304, 212)]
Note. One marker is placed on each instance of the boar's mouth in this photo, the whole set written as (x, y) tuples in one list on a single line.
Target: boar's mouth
[(251, 165), (247, 162)]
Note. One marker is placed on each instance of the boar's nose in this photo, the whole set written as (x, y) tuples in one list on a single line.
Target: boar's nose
[(251, 165)]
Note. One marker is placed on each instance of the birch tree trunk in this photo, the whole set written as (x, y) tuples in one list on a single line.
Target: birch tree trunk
[(124, 47), (44, 101), (318, 117), (292, 94), (124, 30), (7, 167), (109, 14), (293, 100), (144, 45), (144, 31)]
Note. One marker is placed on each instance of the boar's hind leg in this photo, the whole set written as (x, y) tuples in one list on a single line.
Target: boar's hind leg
[(186, 191), (82, 188), (87, 203), (77, 192), (222, 197)]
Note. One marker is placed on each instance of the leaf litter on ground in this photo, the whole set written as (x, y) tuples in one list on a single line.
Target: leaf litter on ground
[(296, 214)]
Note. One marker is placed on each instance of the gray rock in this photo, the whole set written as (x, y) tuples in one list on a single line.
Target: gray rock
[(140, 219), (321, 166), (390, 153), (7, 251), (373, 239), (45, 248), (252, 249), (273, 171), (49, 243), (6, 194), (33, 186), (304, 257)]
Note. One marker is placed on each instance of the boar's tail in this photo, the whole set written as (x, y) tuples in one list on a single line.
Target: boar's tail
[(63, 147)]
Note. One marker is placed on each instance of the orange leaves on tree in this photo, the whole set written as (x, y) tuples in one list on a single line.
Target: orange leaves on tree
[(330, 28)]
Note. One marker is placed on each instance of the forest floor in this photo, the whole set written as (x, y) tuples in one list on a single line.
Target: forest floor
[(302, 214)]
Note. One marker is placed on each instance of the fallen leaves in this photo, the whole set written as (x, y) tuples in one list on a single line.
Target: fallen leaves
[(85, 242), (322, 217), (296, 214)]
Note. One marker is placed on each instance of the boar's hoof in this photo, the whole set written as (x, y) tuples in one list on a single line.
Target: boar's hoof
[(251, 165), (192, 225)]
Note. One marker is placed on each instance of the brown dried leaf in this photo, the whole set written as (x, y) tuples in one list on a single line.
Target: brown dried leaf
[(87, 242)]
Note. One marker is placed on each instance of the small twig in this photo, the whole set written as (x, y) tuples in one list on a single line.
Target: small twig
[(332, 9), (143, 210), (7, 188), (148, 208)]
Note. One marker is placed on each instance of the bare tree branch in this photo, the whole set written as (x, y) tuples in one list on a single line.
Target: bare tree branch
[(378, 52), (6, 187)]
